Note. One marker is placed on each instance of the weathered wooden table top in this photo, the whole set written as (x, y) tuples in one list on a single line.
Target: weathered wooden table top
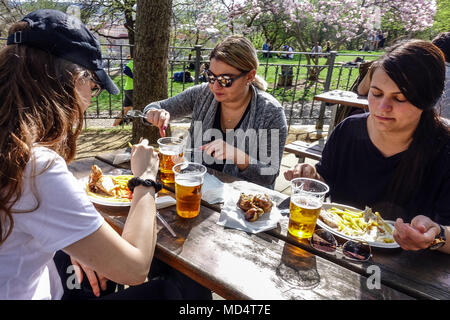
[(346, 98), (203, 249)]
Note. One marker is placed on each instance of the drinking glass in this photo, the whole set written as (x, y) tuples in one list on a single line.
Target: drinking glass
[(188, 188), (307, 197), (170, 153)]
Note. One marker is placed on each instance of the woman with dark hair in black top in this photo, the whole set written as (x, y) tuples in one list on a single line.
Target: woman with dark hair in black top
[(395, 159)]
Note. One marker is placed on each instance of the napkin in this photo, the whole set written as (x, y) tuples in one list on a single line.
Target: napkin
[(122, 158), (232, 216), (213, 190), (164, 202)]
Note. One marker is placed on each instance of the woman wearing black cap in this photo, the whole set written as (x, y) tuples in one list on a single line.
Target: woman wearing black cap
[(48, 72), (395, 159)]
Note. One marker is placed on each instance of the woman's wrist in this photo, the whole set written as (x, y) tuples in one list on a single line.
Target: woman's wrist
[(241, 159), (140, 191)]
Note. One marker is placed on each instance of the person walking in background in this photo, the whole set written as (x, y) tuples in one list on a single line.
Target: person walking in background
[(316, 48), (328, 47), (442, 41), (127, 104), (267, 47)]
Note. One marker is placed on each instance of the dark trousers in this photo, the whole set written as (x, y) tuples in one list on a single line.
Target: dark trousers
[(164, 283)]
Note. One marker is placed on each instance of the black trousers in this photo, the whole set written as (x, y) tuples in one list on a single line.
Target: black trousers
[(164, 283)]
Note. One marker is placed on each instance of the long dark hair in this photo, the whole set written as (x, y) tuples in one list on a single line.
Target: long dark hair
[(39, 105), (418, 69)]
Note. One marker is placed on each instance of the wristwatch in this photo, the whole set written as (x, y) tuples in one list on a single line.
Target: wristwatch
[(134, 182), (439, 240)]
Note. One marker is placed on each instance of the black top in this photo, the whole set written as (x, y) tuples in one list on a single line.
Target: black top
[(219, 164), (359, 175)]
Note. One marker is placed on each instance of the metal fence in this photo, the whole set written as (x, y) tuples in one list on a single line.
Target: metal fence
[(294, 82)]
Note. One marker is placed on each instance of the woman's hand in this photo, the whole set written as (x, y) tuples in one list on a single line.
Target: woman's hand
[(93, 277), (301, 170), (159, 118), (417, 235), (220, 150), (144, 161)]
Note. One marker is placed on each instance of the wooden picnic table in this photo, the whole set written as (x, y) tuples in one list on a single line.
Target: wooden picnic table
[(237, 265), (303, 149), (343, 98)]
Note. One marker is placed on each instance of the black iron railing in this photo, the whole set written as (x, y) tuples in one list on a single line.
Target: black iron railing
[(294, 82)]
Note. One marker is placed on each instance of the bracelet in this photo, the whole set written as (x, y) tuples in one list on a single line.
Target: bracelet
[(134, 182)]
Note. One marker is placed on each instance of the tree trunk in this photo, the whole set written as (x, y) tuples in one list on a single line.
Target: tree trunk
[(129, 25), (151, 54)]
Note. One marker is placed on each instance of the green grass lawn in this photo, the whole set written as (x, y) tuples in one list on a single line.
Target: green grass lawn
[(270, 69)]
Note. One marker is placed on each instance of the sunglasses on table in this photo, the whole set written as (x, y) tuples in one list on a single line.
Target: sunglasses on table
[(324, 241), (224, 80)]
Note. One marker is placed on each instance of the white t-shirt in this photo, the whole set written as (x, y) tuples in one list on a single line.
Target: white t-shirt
[(64, 216)]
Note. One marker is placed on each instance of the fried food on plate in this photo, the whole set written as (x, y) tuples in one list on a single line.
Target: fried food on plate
[(254, 205), (99, 183), (364, 225), (106, 186)]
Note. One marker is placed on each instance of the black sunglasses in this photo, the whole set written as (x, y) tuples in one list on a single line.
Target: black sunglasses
[(224, 80), (324, 241)]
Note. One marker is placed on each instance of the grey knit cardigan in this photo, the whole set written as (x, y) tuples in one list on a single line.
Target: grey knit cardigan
[(263, 134)]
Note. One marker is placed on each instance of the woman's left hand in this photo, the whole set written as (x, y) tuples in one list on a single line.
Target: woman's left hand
[(417, 235), (93, 277), (220, 150)]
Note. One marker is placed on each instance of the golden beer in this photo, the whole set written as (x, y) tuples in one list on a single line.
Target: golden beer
[(188, 193), (166, 162), (170, 153), (304, 211)]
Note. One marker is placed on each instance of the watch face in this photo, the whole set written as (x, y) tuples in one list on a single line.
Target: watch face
[(437, 243)]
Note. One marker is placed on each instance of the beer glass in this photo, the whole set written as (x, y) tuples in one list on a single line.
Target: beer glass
[(188, 188), (170, 153), (307, 196)]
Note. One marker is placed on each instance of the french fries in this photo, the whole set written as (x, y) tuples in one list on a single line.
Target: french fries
[(363, 225)]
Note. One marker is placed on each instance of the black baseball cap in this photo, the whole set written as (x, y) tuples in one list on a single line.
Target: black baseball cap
[(66, 37)]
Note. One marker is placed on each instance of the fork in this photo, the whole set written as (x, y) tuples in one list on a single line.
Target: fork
[(164, 222), (135, 114)]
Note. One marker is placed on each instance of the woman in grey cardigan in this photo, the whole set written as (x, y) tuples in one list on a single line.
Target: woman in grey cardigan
[(236, 126)]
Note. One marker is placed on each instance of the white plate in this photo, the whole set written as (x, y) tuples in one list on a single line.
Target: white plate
[(161, 202), (103, 201), (323, 225)]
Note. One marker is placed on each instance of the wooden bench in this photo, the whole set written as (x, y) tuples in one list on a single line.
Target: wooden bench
[(303, 150)]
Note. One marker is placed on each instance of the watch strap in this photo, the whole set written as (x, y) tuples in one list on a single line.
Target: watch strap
[(439, 240), (136, 181)]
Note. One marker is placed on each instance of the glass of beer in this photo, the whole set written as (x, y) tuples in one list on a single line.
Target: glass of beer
[(170, 153), (307, 196), (188, 188)]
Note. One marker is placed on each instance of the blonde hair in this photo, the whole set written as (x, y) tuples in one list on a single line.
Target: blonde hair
[(239, 52)]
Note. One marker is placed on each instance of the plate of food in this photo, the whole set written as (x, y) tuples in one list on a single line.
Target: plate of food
[(355, 224), (251, 211), (107, 190)]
